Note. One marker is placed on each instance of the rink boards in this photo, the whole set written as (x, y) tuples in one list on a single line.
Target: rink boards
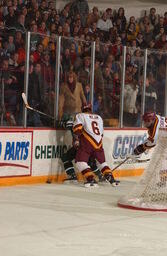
[(33, 155)]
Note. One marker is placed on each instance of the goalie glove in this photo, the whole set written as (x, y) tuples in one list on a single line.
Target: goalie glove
[(139, 149)]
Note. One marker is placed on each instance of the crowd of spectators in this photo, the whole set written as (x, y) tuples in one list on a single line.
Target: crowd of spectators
[(79, 26)]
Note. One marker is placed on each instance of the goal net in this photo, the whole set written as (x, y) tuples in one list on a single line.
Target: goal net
[(150, 193)]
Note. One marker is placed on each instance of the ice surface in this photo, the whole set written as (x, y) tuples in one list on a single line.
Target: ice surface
[(70, 220)]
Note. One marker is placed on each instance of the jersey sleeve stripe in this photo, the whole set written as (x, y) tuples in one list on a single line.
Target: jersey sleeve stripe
[(77, 127)]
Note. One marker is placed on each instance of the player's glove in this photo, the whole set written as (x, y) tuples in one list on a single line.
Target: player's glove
[(69, 124), (139, 149)]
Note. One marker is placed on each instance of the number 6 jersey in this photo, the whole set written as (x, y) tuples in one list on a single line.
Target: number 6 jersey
[(91, 127)]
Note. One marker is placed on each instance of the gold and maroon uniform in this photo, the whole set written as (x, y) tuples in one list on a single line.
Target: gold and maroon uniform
[(89, 127)]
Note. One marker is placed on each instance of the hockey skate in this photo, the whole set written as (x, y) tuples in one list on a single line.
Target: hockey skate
[(109, 177), (71, 179), (91, 183)]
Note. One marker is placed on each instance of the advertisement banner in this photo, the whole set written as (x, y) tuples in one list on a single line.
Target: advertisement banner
[(15, 153), (119, 144)]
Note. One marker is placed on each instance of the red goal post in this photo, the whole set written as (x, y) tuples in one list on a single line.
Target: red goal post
[(150, 193)]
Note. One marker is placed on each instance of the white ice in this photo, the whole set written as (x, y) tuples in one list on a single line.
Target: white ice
[(70, 220)]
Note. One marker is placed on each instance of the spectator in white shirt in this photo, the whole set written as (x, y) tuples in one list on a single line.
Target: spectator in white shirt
[(104, 23)]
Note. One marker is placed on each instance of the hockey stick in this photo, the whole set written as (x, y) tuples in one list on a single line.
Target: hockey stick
[(116, 167), (33, 109), (131, 157)]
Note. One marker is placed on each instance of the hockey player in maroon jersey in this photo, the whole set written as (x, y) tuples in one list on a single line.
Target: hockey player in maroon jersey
[(152, 122), (68, 157), (89, 129)]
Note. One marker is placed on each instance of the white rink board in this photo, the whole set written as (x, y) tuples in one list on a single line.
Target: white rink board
[(117, 144), (45, 146)]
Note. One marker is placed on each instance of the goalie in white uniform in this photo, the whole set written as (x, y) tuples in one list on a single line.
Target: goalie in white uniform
[(89, 129), (152, 122)]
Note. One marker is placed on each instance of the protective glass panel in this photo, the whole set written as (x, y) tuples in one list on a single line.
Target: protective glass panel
[(12, 59), (156, 82), (108, 68), (41, 85), (75, 76), (134, 77)]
